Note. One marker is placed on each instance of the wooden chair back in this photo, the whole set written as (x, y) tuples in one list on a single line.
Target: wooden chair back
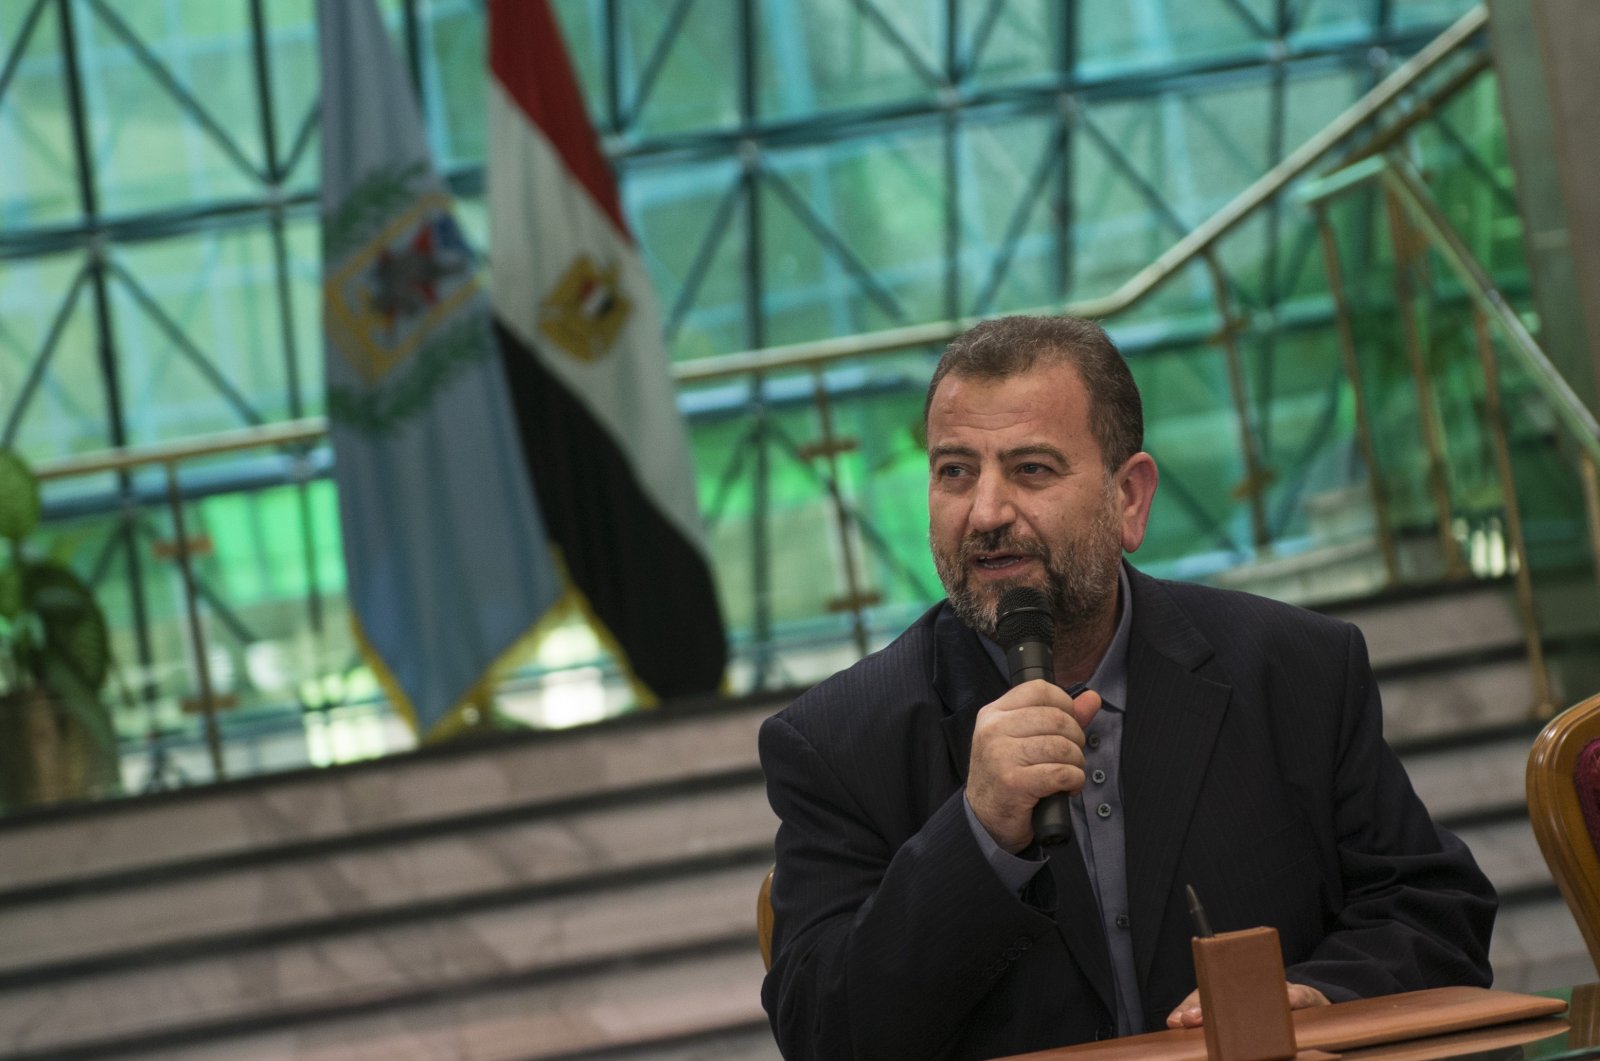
[(764, 917), (1564, 774)]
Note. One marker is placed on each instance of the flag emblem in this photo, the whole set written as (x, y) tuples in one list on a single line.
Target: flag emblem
[(392, 295), (585, 311)]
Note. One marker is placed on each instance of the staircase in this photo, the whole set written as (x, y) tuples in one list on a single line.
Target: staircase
[(584, 893), (1457, 695), (1459, 708), (574, 894)]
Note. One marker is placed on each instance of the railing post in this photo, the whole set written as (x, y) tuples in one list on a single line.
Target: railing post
[(1352, 371), (1544, 705), (191, 606), (1432, 434), (1256, 477), (1589, 475), (829, 448), (760, 539)]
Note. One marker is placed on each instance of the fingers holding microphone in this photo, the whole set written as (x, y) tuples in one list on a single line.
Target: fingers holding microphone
[(1025, 629), (1026, 746)]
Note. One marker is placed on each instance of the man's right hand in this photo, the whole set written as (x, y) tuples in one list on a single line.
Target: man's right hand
[(1025, 746)]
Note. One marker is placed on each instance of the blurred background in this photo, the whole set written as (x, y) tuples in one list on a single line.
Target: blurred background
[(1342, 243)]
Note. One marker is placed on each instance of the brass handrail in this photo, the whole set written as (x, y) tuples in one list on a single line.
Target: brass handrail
[(1195, 244), (1400, 177), (305, 431), (1412, 206)]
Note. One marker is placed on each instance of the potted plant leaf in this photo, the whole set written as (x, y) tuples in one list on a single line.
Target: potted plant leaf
[(56, 737)]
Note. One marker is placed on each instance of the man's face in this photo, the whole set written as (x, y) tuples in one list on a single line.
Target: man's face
[(1018, 495)]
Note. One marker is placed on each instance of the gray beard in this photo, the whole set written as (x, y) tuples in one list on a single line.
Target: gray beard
[(1080, 575)]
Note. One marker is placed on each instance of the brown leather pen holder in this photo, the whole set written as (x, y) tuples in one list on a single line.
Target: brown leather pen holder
[(1243, 999)]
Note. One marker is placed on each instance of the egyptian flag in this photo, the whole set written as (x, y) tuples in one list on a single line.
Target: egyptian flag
[(588, 372)]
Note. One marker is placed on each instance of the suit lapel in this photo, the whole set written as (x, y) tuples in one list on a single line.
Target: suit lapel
[(1078, 918), (966, 679), (1173, 717)]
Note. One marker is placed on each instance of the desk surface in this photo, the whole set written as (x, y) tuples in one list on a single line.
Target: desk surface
[(1571, 1036)]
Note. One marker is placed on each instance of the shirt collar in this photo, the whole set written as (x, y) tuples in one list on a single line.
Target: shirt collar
[(1110, 677)]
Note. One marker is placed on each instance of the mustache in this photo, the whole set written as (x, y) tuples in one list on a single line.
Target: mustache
[(1000, 540)]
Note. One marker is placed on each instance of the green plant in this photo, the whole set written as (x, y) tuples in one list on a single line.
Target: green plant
[(55, 652)]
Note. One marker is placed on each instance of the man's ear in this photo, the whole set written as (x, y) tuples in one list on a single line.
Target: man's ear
[(1136, 489)]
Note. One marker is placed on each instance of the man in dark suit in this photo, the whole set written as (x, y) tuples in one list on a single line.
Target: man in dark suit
[(1223, 741)]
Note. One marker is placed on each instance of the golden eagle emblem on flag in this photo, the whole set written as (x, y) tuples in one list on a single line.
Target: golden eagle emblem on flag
[(586, 310)]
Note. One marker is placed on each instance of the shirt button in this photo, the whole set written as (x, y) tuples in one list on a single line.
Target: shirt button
[(1104, 810), (1094, 740), (1098, 777), (1122, 920)]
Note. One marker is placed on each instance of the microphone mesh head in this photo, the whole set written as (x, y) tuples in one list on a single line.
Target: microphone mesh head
[(1024, 615)]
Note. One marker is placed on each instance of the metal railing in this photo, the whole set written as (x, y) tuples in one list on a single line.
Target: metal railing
[(1412, 210)]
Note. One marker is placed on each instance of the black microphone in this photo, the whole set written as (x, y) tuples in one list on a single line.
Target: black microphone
[(1026, 631)]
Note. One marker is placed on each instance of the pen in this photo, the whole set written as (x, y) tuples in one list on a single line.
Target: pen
[(1202, 926)]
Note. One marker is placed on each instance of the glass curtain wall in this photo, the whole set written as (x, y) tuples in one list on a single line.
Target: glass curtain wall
[(793, 172)]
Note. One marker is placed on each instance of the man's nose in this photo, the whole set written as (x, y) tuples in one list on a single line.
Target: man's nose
[(992, 506)]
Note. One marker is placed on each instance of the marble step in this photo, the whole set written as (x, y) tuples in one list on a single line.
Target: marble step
[(666, 1007), (693, 1009), (1476, 695), (1530, 953), (295, 895), (639, 1014), (550, 942), (1337, 570), (1478, 791), (1537, 947), (1470, 780), (1509, 856), (1454, 621), (65, 924), (241, 821), (220, 909)]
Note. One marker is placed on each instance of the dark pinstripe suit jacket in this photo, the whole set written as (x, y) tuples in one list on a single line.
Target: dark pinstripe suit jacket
[(1253, 767)]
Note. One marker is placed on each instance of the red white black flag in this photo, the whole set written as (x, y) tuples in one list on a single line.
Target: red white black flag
[(588, 372)]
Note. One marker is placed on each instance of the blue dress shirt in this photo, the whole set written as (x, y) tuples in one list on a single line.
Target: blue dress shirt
[(1096, 814)]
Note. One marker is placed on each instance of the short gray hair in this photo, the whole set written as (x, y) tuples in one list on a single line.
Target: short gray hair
[(1004, 347)]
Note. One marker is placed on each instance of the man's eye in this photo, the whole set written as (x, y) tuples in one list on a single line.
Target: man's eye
[(1032, 468), (950, 471)]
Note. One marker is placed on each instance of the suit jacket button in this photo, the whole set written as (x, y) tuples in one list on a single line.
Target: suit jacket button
[(1105, 1031)]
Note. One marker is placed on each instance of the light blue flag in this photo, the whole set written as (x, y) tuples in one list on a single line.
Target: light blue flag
[(447, 560)]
